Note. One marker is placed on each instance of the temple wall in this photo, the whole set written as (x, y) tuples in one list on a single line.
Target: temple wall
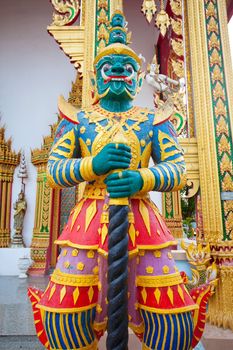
[(34, 72)]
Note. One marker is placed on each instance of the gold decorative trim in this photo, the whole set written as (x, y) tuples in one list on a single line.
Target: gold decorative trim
[(74, 280), (169, 311), (66, 310), (210, 191), (159, 281)]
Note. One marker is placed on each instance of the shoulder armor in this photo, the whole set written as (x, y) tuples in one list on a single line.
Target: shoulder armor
[(163, 112), (67, 111)]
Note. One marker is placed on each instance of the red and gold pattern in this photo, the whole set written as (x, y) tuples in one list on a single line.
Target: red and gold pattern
[(35, 296), (87, 226), (165, 300), (82, 295)]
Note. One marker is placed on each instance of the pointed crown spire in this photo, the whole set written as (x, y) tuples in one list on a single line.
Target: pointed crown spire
[(118, 39)]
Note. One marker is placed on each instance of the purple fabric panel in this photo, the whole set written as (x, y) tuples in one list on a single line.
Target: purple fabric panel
[(66, 256)]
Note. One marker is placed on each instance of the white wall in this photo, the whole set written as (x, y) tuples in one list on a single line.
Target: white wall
[(34, 72)]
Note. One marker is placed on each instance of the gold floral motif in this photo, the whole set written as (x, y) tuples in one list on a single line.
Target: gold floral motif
[(102, 18), (177, 46), (149, 8), (157, 253), (222, 127), (176, 6), (215, 58), (217, 74), (214, 42), (166, 269), (149, 269), (211, 10), (212, 26), (80, 266), (162, 21), (227, 183), (103, 4), (178, 68), (75, 252), (220, 108), (103, 33), (176, 26), (90, 254), (224, 145), (218, 92), (228, 205), (226, 164)]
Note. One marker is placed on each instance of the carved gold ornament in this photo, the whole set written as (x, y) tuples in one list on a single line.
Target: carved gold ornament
[(224, 145), (214, 42), (176, 26), (226, 164), (176, 6), (212, 26), (178, 68), (162, 20), (149, 8), (217, 74), (65, 12), (227, 184), (218, 92), (197, 254), (177, 46), (220, 108), (211, 10)]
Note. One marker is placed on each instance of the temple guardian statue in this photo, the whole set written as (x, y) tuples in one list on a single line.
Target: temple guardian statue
[(109, 146)]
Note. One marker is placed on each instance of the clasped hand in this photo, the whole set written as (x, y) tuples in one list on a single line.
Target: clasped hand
[(121, 183)]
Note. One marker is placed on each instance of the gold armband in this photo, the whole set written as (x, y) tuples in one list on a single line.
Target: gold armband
[(86, 169), (148, 179)]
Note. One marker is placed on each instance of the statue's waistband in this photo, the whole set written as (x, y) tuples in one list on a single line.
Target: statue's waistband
[(99, 191)]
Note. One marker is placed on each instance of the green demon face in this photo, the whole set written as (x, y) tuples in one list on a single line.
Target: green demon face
[(118, 20), (117, 77), (118, 36)]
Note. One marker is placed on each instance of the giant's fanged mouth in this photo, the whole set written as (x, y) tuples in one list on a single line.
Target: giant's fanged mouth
[(127, 79)]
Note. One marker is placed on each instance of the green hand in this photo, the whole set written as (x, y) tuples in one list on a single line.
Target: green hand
[(113, 156), (124, 183)]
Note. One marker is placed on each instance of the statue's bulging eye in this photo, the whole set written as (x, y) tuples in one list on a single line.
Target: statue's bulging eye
[(106, 67), (129, 68)]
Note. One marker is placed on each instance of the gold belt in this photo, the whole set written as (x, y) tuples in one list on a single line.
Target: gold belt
[(99, 191)]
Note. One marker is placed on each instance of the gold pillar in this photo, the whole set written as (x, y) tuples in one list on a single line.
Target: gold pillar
[(46, 211), (8, 162), (213, 95)]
